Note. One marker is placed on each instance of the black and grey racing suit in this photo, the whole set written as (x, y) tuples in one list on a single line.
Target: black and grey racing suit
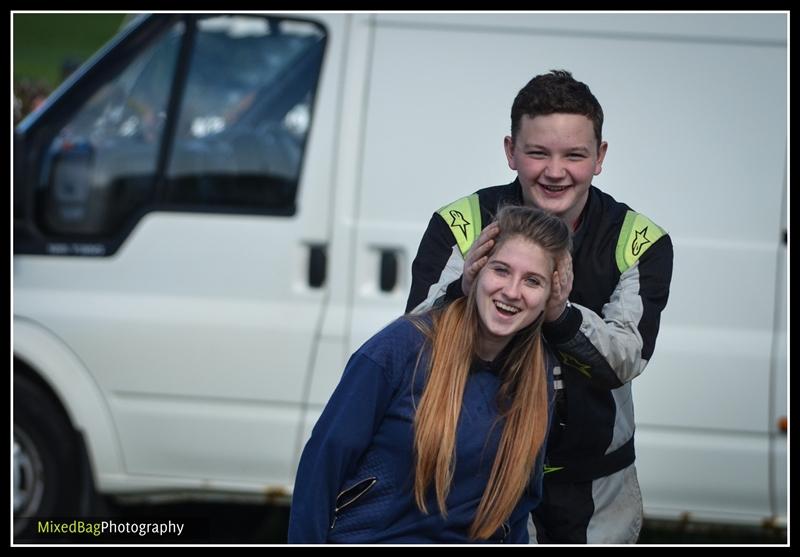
[(622, 266)]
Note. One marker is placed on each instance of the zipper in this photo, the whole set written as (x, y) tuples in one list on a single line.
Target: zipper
[(358, 490)]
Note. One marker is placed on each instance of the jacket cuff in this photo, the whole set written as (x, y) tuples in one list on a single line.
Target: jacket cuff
[(565, 327)]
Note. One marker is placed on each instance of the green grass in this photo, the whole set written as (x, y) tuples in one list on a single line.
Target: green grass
[(42, 42)]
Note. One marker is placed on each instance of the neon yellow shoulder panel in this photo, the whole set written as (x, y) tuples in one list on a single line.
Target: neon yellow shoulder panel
[(637, 235), (464, 219)]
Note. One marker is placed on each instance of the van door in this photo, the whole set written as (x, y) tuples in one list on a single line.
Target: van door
[(175, 237)]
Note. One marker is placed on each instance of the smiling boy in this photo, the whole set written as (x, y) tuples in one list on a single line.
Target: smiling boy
[(604, 323)]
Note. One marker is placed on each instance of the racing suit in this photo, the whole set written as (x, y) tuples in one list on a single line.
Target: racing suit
[(622, 266)]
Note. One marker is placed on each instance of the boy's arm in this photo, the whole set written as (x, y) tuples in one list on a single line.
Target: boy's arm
[(436, 269), (613, 348), (440, 273)]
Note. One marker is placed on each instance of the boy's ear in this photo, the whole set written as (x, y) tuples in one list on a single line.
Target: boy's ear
[(601, 155), (508, 146)]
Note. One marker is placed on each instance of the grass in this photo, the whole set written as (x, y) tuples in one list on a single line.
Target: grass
[(667, 532), (44, 42)]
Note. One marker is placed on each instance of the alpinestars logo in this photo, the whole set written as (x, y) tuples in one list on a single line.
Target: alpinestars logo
[(639, 241), (459, 221)]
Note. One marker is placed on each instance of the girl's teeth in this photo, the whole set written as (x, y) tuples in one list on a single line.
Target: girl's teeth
[(507, 308)]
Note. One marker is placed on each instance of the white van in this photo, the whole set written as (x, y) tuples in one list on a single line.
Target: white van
[(215, 211)]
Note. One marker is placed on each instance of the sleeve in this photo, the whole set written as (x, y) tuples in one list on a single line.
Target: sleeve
[(613, 348), (437, 266), (342, 434)]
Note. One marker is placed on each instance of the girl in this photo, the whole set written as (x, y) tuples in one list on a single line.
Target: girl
[(435, 432)]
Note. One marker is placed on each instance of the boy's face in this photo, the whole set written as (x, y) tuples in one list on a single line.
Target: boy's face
[(556, 157)]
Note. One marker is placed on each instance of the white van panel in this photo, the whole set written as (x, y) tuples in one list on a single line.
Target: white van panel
[(702, 475), (219, 439), (751, 27)]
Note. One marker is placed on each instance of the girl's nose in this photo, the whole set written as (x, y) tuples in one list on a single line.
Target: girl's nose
[(511, 289)]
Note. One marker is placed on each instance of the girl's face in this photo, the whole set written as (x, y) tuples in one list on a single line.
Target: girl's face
[(512, 291)]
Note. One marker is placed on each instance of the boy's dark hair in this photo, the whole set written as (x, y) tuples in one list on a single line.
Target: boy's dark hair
[(552, 93)]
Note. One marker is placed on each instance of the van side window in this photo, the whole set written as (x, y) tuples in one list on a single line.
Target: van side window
[(100, 168), (245, 115)]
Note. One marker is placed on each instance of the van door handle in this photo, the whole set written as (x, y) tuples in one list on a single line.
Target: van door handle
[(317, 265), (388, 277)]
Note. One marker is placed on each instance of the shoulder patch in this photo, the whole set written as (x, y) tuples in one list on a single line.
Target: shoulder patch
[(638, 233), (464, 219)]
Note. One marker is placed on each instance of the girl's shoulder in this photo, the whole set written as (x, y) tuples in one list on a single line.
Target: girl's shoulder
[(400, 339)]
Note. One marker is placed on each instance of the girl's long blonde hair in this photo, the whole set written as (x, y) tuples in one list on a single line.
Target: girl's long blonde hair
[(522, 397)]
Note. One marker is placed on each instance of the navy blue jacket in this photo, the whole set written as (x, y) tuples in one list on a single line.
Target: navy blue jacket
[(354, 483)]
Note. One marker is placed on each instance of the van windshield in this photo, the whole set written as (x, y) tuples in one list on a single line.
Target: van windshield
[(240, 132)]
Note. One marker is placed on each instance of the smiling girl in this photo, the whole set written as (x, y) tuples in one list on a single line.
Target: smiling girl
[(435, 433)]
